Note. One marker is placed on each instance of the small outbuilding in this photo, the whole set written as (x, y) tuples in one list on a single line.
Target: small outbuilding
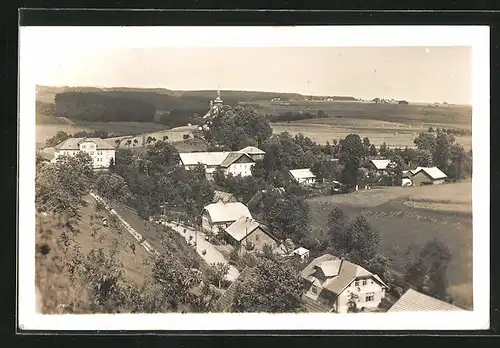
[(303, 176)]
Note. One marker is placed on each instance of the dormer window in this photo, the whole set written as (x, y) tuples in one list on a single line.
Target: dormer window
[(356, 283), (365, 282)]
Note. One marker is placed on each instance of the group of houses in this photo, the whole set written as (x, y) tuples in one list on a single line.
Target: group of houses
[(416, 177)]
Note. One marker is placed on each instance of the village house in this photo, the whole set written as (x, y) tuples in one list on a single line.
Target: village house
[(231, 162), (249, 234), (101, 152), (218, 216), (330, 281), (379, 165), (414, 301), (427, 176), (303, 176)]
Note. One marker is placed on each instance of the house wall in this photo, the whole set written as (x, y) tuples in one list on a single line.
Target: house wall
[(100, 158), (420, 178), (306, 181), (371, 287), (240, 169), (208, 225)]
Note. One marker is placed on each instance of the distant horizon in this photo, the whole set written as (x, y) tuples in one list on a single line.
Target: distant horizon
[(256, 91)]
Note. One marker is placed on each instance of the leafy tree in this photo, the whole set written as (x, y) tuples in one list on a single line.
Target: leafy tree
[(287, 217), (424, 158), (351, 154), (273, 287), (383, 149), (60, 187), (442, 150), (372, 151), (426, 141), (426, 268), (219, 271), (395, 170), (58, 138)]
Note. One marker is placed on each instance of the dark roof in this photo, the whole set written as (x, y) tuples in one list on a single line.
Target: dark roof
[(233, 157)]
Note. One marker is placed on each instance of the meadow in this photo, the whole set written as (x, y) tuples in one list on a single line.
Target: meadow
[(413, 216)]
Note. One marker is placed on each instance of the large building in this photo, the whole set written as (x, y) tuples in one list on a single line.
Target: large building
[(101, 152), (330, 281), (215, 106), (237, 163)]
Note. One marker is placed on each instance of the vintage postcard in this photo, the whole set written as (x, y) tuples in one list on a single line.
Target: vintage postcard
[(254, 178)]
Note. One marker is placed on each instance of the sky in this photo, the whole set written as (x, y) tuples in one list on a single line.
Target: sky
[(418, 74)]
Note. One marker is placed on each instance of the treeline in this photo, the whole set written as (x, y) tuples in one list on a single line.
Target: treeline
[(181, 117), (294, 116), (104, 108), (345, 98), (452, 131), (62, 136)]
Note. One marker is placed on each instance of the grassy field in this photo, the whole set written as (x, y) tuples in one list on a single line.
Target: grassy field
[(174, 135), (406, 216)]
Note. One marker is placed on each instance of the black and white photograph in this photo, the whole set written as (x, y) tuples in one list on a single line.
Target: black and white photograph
[(244, 178)]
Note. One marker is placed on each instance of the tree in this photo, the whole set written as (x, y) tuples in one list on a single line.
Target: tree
[(60, 187), (287, 217), (351, 154), (364, 240), (426, 141), (366, 145), (442, 150), (383, 149), (219, 271), (424, 158), (426, 269), (272, 287), (58, 138), (373, 150), (395, 170)]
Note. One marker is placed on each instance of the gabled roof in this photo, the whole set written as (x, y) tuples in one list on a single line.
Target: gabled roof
[(244, 226), (339, 272), (302, 173), (380, 164), (414, 301), (224, 197), (222, 212), (74, 144), (300, 251), (206, 158), (233, 157), (433, 172), (252, 150)]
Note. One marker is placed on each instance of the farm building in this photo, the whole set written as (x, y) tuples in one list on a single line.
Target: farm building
[(235, 163), (254, 152), (303, 176), (379, 165), (330, 281), (250, 233), (414, 301), (427, 176), (220, 215), (224, 197), (301, 253)]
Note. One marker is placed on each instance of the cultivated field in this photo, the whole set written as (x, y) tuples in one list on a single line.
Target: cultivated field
[(406, 216)]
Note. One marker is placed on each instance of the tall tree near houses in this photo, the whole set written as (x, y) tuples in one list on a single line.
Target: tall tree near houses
[(383, 149), (443, 149), (426, 141), (373, 150), (424, 158), (366, 145), (273, 287), (351, 154), (395, 170)]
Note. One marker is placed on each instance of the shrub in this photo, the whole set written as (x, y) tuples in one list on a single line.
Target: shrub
[(234, 256)]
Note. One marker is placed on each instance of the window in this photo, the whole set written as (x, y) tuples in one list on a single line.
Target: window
[(356, 283), (83, 146), (314, 289), (370, 296), (365, 282)]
